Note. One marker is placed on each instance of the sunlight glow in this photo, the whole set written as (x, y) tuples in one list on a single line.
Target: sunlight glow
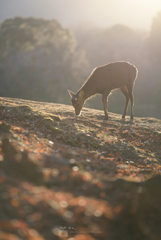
[(136, 14)]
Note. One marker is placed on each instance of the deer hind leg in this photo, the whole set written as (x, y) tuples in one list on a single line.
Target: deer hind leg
[(126, 94)]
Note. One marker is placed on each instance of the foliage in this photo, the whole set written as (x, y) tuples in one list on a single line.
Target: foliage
[(155, 38), (38, 59)]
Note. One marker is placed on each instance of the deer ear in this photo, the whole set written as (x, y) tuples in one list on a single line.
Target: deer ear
[(81, 94), (72, 94)]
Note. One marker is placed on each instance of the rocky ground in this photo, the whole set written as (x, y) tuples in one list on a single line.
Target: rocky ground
[(77, 178)]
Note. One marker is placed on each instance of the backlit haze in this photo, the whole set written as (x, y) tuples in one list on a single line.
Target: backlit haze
[(103, 13), (41, 59)]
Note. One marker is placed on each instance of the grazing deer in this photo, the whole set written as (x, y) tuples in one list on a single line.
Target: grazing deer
[(103, 80)]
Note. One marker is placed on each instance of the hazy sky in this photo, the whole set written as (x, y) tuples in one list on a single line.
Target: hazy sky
[(133, 13)]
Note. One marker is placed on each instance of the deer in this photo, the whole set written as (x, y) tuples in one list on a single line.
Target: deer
[(103, 80)]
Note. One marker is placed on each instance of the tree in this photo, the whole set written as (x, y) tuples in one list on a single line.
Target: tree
[(39, 59), (153, 70), (154, 39)]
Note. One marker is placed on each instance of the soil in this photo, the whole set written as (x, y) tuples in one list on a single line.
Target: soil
[(77, 177)]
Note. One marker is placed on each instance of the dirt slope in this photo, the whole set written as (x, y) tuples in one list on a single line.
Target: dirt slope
[(77, 178)]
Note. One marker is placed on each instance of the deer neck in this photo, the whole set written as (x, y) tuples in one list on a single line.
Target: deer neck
[(88, 90)]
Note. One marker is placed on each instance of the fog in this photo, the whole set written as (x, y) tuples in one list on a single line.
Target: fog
[(103, 13), (49, 46)]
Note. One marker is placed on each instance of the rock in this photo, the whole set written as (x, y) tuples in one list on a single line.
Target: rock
[(153, 185), (18, 164), (5, 130)]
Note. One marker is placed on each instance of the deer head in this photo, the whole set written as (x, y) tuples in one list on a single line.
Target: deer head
[(77, 100)]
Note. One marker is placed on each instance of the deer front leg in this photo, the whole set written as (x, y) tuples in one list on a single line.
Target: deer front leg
[(132, 104), (130, 89), (126, 94), (104, 101)]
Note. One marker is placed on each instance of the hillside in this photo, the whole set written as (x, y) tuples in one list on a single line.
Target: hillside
[(77, 178)]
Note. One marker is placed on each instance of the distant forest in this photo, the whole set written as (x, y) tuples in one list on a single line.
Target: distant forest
[(40, 60)]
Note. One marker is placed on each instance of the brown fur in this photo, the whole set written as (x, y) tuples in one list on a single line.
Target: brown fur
[(103, 80)]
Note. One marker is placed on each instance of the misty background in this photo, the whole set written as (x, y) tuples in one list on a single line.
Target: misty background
[(49, 46)]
